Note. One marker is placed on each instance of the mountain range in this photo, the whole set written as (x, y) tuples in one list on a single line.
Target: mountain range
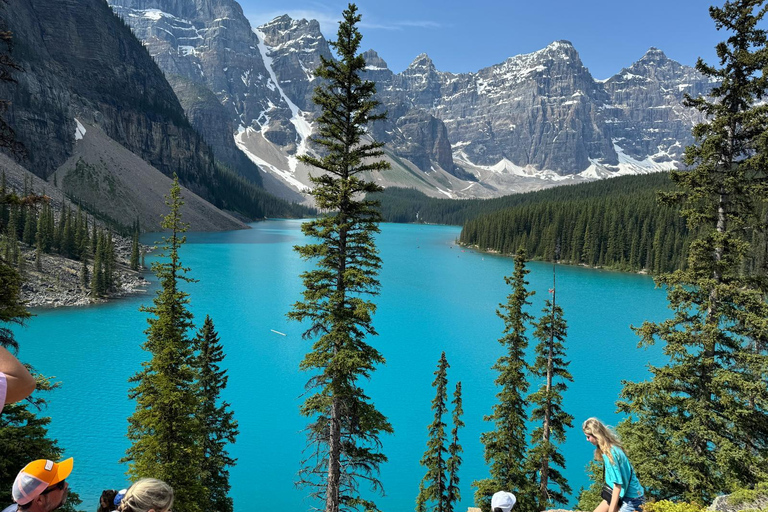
[(532, 121), (116, 97)]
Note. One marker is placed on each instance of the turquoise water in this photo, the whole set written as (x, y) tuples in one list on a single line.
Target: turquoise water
[(435, 296)]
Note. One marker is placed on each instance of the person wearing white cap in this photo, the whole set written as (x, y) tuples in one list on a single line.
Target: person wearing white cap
[(503, 501), (41, 486)]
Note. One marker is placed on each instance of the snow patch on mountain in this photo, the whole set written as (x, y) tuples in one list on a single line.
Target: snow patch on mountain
[(80, 130), (298, 119), (287, 176)]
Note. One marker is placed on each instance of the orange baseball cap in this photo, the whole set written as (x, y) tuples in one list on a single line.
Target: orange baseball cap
[(37, 476)]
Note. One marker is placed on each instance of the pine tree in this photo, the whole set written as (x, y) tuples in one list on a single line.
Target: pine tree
[(135, 249), (164, 431), (505, 446), (219, 427), (435, 459), (551, 365), (453, 494), (30, 225), (344, 425), (97, 279), (699, 426)]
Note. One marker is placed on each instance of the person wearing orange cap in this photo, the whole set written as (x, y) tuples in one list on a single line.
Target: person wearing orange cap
[(41, 486), (16, 383)]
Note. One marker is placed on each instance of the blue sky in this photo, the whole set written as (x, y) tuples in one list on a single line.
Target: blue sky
[(468, 35)]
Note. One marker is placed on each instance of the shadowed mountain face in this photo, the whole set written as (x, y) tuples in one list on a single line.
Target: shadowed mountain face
[(81, 61), (540, 116), (95, 113)]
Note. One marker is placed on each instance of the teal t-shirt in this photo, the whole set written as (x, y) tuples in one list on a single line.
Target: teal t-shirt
[(621, 472)]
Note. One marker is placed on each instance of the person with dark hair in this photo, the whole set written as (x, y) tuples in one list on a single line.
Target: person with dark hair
[(107, 500), (41, 486), (503, 501), (16, 383)]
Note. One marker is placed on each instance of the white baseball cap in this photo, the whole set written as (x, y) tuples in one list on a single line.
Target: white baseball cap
[(503, 500)]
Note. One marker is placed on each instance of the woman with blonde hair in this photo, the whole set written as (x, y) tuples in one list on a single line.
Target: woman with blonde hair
[(147, 495), (621, 490)]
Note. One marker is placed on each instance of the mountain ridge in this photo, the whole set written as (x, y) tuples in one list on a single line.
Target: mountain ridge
[(532, 121)]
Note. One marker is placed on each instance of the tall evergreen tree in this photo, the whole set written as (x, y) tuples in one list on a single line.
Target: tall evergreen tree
[(506, 446), (165, 431), (453, 494), (219, 428), (134, 263), (97, 279), (551, 365), (435, 459), (345, 426), (699, 426)]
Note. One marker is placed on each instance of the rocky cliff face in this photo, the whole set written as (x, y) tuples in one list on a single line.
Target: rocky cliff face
[(81, 61), (645, 115), (540, 116), (536, 110), (208, 43)]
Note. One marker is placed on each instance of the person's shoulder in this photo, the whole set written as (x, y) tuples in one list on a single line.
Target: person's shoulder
[(618, 453), (11, 508)]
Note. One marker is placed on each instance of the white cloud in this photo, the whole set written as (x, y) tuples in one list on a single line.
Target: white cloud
[(329, 20)]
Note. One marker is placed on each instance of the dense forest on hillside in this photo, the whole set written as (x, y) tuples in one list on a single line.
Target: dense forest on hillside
[(408, 205), (616, 223), (627, 230)]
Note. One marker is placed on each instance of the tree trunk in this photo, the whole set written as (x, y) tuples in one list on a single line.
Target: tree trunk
[(334, 463)]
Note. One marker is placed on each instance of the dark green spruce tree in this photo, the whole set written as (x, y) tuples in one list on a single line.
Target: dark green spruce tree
[(433, 489), (506, 446), (453, 493), (345, 426), (699, 427), (551, 365), (134, 263), (219, 428), (165, 431)]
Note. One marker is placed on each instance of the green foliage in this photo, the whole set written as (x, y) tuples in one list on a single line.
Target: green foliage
[(699, 427), (165, 431), (345, 426), (231, 192), (219, 427), (433, 487), (134, 262), (453, 494), (505, 446), (551, 365), (671, 506), (439, 489), (748, 496)]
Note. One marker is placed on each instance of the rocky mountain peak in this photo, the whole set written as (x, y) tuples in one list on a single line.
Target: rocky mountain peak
[(654, 55), (197, 10), (422, 63), (299, 34), (373, 61)]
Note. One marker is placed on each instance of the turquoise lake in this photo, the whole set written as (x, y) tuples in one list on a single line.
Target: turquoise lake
[(435, 296)]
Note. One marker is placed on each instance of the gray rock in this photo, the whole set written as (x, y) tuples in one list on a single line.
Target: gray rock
[(722, 504)]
